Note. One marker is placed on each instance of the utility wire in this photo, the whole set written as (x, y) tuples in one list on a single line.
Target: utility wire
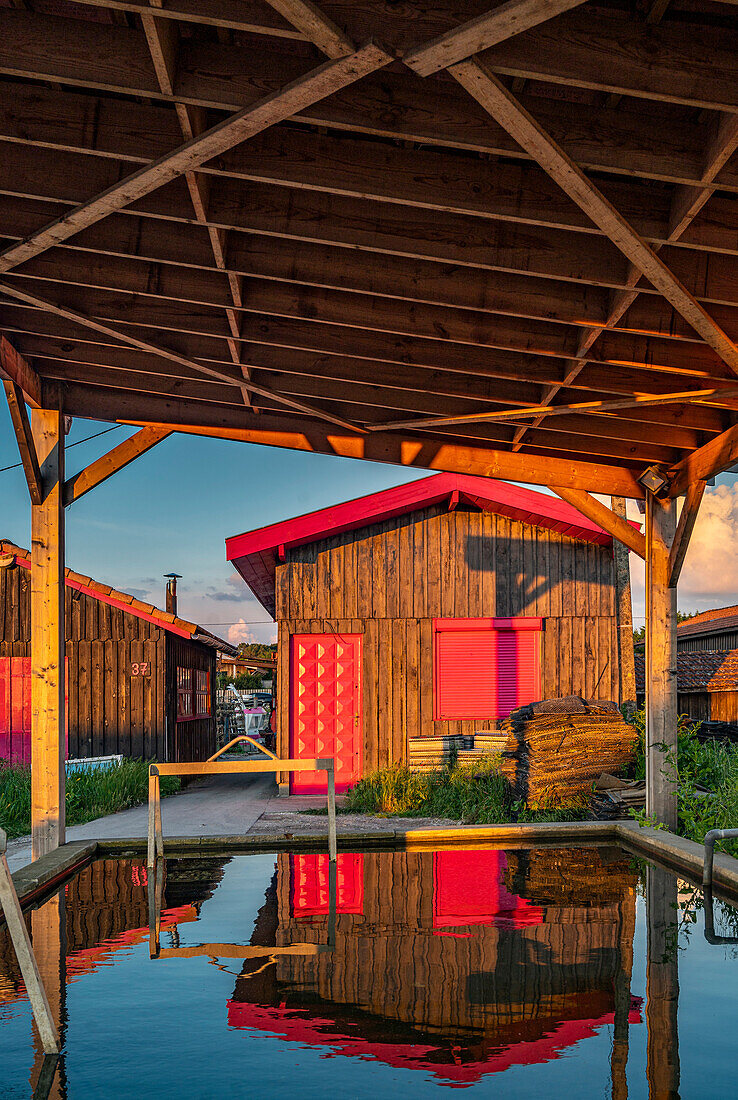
[(17, 465)]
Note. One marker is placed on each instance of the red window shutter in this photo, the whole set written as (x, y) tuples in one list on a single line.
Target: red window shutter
[(485, 670), (518, 670)]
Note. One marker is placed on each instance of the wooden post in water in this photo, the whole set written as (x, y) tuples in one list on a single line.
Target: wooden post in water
[(662, 984), (48, 741), (661, 679)]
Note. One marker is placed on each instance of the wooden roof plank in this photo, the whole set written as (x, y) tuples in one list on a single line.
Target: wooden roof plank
[(317, 84)]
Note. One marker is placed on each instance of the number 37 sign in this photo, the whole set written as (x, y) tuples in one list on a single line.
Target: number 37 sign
[(141, 668)]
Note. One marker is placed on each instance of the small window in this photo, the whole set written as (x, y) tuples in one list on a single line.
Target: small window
[(193, 693), (485, 668)]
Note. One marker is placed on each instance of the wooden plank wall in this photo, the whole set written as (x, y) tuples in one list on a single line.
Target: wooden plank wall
[(390, 580), (723, 707), (194, 738), (110, 710)]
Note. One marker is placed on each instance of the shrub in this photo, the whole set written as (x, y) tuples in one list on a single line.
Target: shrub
[(712, 764), (90, 794), (472, 793)]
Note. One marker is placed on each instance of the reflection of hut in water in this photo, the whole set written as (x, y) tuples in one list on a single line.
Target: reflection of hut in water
[(446, 961), (106, 909)]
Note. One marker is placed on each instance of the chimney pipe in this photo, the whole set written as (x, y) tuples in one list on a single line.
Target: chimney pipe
[(171, 604)]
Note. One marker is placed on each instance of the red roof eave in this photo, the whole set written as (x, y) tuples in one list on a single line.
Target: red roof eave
[(254, 553)]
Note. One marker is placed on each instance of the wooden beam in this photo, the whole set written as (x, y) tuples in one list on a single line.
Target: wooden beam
[(661, 665), (719, 398), (306, 18), (711, 459), (687, 520), (273, 429), (126, 337), (492, 95), (24, 437), (485, 31), (604, 517), (301, 93), (110, 463), (163, 42), (14, 368), (624, 616), (48, 741)]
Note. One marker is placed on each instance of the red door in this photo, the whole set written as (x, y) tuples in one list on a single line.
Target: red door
[(15, 709), (325, 720)]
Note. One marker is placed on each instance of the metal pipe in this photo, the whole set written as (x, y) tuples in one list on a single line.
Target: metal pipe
[(710, 838)]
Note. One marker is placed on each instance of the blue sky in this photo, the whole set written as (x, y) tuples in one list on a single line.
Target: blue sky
[(172, 509)]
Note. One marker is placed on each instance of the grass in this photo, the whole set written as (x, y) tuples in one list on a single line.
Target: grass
[(472, 793), (712, 764), (90, 794)]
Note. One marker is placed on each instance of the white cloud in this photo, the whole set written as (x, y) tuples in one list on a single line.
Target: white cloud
[(711, 566), (709, 576), (240, 632)]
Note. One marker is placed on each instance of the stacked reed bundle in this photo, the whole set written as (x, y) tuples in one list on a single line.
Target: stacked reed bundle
[(556, 749)]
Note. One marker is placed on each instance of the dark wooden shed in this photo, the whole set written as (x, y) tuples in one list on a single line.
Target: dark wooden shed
[(139, 681), (427, 612)]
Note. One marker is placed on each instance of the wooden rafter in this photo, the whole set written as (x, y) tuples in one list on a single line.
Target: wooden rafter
[(307, 18), (14, 368), (686, 203), (93, 475), (24, 438), (163, 45), (604, 517), (492, 95), (126, 337), (272, 428), (685, 526), (489, 29), (725, 398), (706, 462), (315, 85)]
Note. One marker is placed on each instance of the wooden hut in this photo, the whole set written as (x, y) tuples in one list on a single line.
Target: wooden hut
[(140, 681), (428, 612), (707, 686)]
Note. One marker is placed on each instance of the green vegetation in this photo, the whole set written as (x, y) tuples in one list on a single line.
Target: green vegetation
[(712, 764), (471, 793), (90, 794)]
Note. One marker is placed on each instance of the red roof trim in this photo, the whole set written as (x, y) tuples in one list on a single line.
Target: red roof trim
[(254, 553), (163, 623)]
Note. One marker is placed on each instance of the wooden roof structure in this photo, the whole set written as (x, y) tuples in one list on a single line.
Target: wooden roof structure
[(495, 239)]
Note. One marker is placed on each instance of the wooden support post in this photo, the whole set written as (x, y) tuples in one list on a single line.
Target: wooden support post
[(10, 906), (48, 741), (661, 678), (624, 616), (332, 813)]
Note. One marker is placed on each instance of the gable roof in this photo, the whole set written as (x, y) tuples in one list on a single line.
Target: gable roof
[(255, 553), (710, 622), (704, 670), (103, 592)]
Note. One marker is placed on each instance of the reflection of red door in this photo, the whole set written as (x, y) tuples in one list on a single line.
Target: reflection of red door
[(309, 884), (325, 719)]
